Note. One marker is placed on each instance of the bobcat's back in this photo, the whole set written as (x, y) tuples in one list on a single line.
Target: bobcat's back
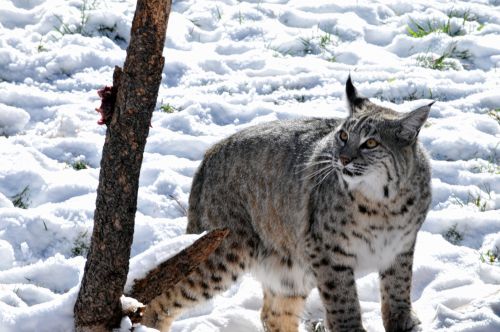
[(254, 174)]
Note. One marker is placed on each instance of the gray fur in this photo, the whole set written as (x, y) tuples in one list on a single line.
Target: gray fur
[(299, 219)]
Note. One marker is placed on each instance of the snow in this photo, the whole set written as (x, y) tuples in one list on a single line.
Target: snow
[(230, 64), (13, 120)]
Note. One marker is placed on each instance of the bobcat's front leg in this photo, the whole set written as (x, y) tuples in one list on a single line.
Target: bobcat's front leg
[(334, 272), (395, 286), (337, 288)]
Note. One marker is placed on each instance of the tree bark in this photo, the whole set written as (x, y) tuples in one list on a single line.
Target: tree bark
[(98, 306)]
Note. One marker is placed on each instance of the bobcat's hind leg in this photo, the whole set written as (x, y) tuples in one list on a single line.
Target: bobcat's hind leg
[(214, 276), (281, 313)]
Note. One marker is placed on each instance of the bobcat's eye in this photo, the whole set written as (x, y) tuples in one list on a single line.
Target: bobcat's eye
[(370, 144), (343, 136)]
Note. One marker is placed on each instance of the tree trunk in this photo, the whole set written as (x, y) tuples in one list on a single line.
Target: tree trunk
[(98, 306)]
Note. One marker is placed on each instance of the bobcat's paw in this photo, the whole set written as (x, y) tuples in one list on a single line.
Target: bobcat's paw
[(404, 322)]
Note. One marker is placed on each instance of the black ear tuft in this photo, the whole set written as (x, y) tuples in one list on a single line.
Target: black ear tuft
[(353, 98), (350, 90)]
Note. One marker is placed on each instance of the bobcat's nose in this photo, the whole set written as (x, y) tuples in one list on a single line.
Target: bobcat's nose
[(344, 160)]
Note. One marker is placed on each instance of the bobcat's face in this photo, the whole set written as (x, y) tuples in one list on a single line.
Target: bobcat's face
[(360, 152)]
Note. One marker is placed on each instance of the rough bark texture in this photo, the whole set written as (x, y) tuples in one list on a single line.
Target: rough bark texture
[(98, 305), (170, 272)]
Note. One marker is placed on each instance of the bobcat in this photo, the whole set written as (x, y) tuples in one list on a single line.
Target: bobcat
[(311, 203)]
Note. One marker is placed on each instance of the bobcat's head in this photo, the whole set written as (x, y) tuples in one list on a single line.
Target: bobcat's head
[(374, 147)]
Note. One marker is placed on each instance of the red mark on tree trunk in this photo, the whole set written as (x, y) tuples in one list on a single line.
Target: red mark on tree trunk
[(108, 98)]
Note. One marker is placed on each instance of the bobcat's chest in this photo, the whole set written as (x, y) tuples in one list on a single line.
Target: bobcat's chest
[(378, 238)]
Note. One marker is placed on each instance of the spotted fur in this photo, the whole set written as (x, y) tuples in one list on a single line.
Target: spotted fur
[(311, 203)]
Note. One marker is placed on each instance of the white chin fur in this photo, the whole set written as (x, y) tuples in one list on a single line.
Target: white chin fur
[(370, 185)]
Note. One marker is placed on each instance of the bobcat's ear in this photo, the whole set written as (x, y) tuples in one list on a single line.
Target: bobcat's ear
[(355, 101), (411, 123)]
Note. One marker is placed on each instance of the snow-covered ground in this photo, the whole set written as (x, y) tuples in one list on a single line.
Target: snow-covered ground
[(231, 64)]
